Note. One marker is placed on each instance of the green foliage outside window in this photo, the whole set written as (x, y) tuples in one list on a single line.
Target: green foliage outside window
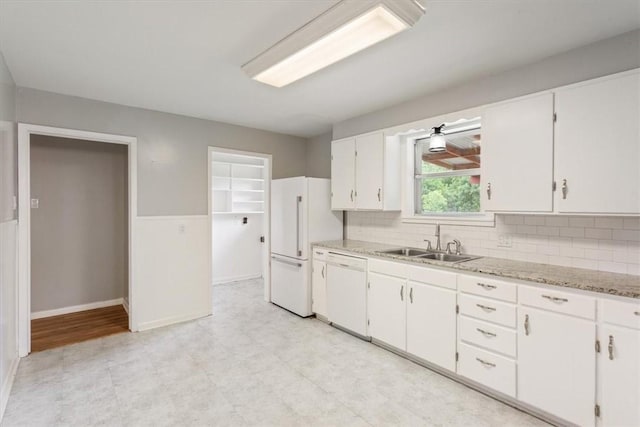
[(448, 194)]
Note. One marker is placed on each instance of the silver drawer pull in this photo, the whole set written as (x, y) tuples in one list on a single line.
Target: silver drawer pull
[(610, 347), (485, 333), (485, 286), (555, 299), (526, 324), (485, 363), (486, 307)]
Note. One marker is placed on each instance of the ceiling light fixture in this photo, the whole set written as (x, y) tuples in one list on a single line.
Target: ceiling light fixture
[(437, 140), (348, 27)]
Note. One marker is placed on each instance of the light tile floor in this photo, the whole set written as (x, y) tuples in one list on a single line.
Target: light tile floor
[(251, 363)]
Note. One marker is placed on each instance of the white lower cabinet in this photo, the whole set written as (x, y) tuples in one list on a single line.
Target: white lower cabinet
[(319, 287), (487, 368), (557, 364), (387, 309), (431, 324)]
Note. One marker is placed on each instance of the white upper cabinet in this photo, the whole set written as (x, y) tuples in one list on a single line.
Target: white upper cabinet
[(365, 173), (517, 155), (597, 146), (343, 174)]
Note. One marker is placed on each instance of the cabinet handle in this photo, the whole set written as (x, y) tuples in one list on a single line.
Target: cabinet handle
[(379, 190), (411, 295), (485, 286), (352, 195), (402, 293), (485, 333), (555, 299), (565, 188), (323, 271), (610, 347), (526, 324), (485, 363), (489, 191), (486, 307)]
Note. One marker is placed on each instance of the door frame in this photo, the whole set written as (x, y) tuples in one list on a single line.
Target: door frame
[(25, 131), (266, 260)]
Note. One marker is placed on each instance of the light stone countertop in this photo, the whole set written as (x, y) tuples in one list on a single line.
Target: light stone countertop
[(625, 285)]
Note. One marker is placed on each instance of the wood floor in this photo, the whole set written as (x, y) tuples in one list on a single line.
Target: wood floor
[(56, 331)]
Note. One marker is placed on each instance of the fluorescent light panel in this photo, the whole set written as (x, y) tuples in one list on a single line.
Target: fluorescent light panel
[(365, 30)]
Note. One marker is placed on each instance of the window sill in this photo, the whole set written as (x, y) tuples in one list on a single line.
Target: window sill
[(479, 220)]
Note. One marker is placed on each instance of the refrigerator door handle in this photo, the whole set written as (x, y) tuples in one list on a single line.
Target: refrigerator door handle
[(298, 203), (296, 264)]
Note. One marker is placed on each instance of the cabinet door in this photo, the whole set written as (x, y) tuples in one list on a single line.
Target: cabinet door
[(597, 146), (387, 309), (517, 156), (343, 175), (556, 364), (370, 171), (431, 324), (319, 288), (619, 376)]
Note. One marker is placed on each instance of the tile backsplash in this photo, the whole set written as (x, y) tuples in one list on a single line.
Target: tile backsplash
[(596, 243)]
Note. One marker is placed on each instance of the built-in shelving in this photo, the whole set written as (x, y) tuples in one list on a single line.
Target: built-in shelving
[(238, 184)]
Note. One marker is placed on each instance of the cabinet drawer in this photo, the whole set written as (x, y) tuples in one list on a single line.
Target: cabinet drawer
[(444, 279), (487, 309), (560, 302), (390, 268), (488, 288), (489, 336), (320, 254), (491, 370), (620, 313)]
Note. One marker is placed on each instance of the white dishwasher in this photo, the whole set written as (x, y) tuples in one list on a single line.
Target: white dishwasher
[(347, 292)]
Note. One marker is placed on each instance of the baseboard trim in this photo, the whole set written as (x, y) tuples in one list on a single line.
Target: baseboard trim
[(76, 308), (125, 304), (145, 326), (8, 384), (236, 279)]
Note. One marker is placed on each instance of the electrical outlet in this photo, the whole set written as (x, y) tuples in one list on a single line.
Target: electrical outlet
[(505, 241), (35, 203)]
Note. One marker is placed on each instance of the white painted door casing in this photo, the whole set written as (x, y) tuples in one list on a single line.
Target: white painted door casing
[(556, 364), (619, 376), (517, 155), (343, 174), (431, 324), (597, 146), (370, 171), (387, 309)]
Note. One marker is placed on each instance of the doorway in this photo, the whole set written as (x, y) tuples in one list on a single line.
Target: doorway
[(77, 202), (239, 189)]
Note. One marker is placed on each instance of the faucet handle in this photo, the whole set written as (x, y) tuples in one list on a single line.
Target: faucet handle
[(428, 244), (448, 250), (458, 246)]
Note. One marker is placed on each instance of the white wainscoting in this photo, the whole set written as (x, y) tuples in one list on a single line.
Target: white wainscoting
[(8, 309), (172, 270)]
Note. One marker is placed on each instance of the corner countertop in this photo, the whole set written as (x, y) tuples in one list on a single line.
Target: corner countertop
[(625, 285)]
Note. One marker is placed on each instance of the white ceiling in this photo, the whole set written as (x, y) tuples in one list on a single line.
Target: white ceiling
[(184, 57)]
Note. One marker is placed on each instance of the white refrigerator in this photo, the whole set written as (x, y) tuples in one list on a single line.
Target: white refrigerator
[(300, 214)]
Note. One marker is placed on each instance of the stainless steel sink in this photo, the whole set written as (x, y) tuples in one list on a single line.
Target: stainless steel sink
[(421, 253), (447, 257), (406, 252)]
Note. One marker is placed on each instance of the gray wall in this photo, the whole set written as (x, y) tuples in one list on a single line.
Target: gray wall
[(172, 149), (79, 231), (608, 56), (8, 144), (319, 156)]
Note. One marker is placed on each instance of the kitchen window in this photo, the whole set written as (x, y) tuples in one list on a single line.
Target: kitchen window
[(447, 183)]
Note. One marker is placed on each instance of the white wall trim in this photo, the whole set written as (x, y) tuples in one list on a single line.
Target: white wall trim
[(7, 385), (145, 326), (25, 131), (76, 308), (170, 217), (230, 279), (125, 305), (266, 218)]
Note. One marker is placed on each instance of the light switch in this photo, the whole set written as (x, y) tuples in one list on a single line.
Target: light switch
[(181, 228), (35, 203)]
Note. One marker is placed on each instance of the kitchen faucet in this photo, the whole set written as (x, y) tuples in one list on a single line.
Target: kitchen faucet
[(438, 244)]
